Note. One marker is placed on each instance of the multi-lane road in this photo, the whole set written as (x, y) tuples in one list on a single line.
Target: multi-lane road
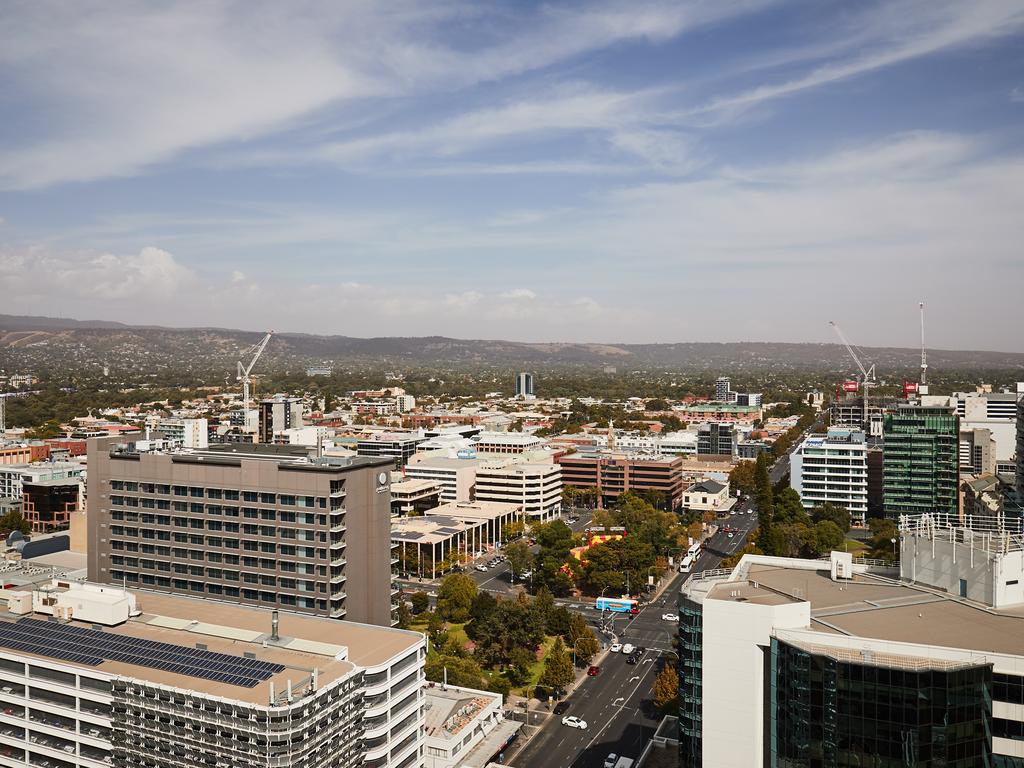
[(617, 703)]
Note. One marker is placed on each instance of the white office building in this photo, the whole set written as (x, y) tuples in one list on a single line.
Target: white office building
[(188, 433), (832, 468), (994, 411), (455, 477), (14, 476), (790, 662), (535, 488), (94, 676)]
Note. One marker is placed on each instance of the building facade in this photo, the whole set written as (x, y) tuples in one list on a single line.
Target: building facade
[(535, 488), (192, 682), (832, 468), (48, 505), (524, 385), (921, 458), (398, 447), (277, 414), (810, 663), (188, 433), (260, 525), (14, 476), (722, 389), (614, 474), (717, 439)]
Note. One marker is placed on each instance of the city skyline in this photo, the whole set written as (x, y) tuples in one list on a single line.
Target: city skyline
[(568, 172)]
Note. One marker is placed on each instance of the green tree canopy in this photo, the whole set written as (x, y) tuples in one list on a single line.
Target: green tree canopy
[(455, 597), (837, 514), (558, 671), (420, 602)]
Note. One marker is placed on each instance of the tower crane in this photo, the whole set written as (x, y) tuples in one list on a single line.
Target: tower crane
[(244, 370), (923, 387), (867, 374)]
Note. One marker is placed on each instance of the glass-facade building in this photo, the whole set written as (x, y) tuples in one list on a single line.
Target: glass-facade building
[(831, 713), (690, 651), (921, 461)]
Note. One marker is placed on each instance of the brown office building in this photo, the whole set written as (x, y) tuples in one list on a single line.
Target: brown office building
[(259, 525), (616, 473), (49, 504)]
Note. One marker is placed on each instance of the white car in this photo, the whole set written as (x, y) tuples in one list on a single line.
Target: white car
[(611, 760), (627, 649), (670, 617), (574, 722), (615, 648)]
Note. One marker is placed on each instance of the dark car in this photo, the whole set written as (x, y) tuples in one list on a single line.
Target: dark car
[(561, 708), (631, 660), (594, 671)]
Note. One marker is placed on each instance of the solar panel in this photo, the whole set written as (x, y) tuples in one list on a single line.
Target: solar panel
[(92, 647)]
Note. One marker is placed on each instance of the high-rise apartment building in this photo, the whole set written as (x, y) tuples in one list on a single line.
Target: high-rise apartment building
[(832, 468), (261, 525), (93, 676), (993, 411), (277, 414), (524, 385), (921, 460), (723, 387), (717, 439), (188, 433), (1020, 450)]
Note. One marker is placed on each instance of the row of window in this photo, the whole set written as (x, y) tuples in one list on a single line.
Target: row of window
[(269, 531), (263, 547), (251, 513), (264, 579), (226, 590), (266, 564), (197, 492)]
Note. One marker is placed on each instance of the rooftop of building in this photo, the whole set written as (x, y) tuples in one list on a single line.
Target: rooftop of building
[(630, 456), (306, 643), (443, 462), (508, 438), (872, 606), (482, 510), (413, 485), (429, 528), (233, 454), (450, 710), (707, 486)]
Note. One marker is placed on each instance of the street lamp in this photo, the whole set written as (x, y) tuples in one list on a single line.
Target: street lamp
[(893, 548)]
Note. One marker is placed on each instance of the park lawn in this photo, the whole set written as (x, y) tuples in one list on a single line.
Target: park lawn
[(856, 548)]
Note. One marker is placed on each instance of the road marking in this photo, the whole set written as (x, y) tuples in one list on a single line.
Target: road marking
[(616, 702), (634, 677)]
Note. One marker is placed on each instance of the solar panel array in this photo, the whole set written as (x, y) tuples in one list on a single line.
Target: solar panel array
[(92, 647)]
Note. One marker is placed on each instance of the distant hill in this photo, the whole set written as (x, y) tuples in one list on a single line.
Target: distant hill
[(53, 338)]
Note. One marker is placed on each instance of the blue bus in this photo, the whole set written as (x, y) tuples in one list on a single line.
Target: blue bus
[(616, 605)]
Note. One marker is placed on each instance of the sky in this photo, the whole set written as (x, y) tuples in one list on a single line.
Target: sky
[(643, 171)]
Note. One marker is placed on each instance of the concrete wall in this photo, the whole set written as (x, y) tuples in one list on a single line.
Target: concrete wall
[(735, 635), (942, 564)]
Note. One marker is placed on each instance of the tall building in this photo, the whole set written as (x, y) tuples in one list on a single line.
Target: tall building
[(749, 398), (261, 525), (188, 433), (535, 488), (832, 468), (277, 414), (921, 460), (977, 450), (800, 663), (398, 446), (524, 385), (1020, 450), (717, 439), (14, 476), (614, 474), (993, 411), (95, 676), (723, 387)]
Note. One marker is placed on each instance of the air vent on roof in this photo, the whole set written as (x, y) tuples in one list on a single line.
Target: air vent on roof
[(249, 655), (201, 646), (97, 627)]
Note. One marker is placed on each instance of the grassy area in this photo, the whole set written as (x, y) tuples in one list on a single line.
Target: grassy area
[(856, 548), (538, 666)]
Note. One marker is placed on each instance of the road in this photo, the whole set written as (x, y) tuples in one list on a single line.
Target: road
[(781, 467), (617, 703)]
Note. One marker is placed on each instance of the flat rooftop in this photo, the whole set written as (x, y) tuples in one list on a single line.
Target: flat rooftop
[(883, 609), (475, 510), (306, 643), (455, 708), (430, 528)]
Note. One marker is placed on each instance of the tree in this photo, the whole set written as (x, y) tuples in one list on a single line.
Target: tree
[(880, 544), (518, 554), (500, 684), (789, 508), (455, 597), (521, 661), (742, 477), (666, 689), (461, 672), (827, 537), (557, 667), (434, 625), (544, 605), (512, 530), (695, 531), (657, 404), (513, 624), (559, 620), (829, 511), (420, 602), (14, 521), (582, 638), (404, 615)]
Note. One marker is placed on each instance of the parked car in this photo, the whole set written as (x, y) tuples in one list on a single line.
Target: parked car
[(594, 671), (574, 722)]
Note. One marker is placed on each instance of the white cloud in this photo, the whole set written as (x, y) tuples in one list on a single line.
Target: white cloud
[(1017, 95), (518, 293), (126, 88), (887, 34)]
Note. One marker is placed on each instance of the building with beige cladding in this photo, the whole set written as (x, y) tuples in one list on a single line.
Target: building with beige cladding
[(536, 488), (94, 676), (255, 524)]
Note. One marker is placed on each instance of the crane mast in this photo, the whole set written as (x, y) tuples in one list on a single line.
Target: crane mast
[(244, 370), (867, 374), (923, 388)]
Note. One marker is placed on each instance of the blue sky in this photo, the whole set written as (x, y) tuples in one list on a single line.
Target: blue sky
[(619, 172)]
